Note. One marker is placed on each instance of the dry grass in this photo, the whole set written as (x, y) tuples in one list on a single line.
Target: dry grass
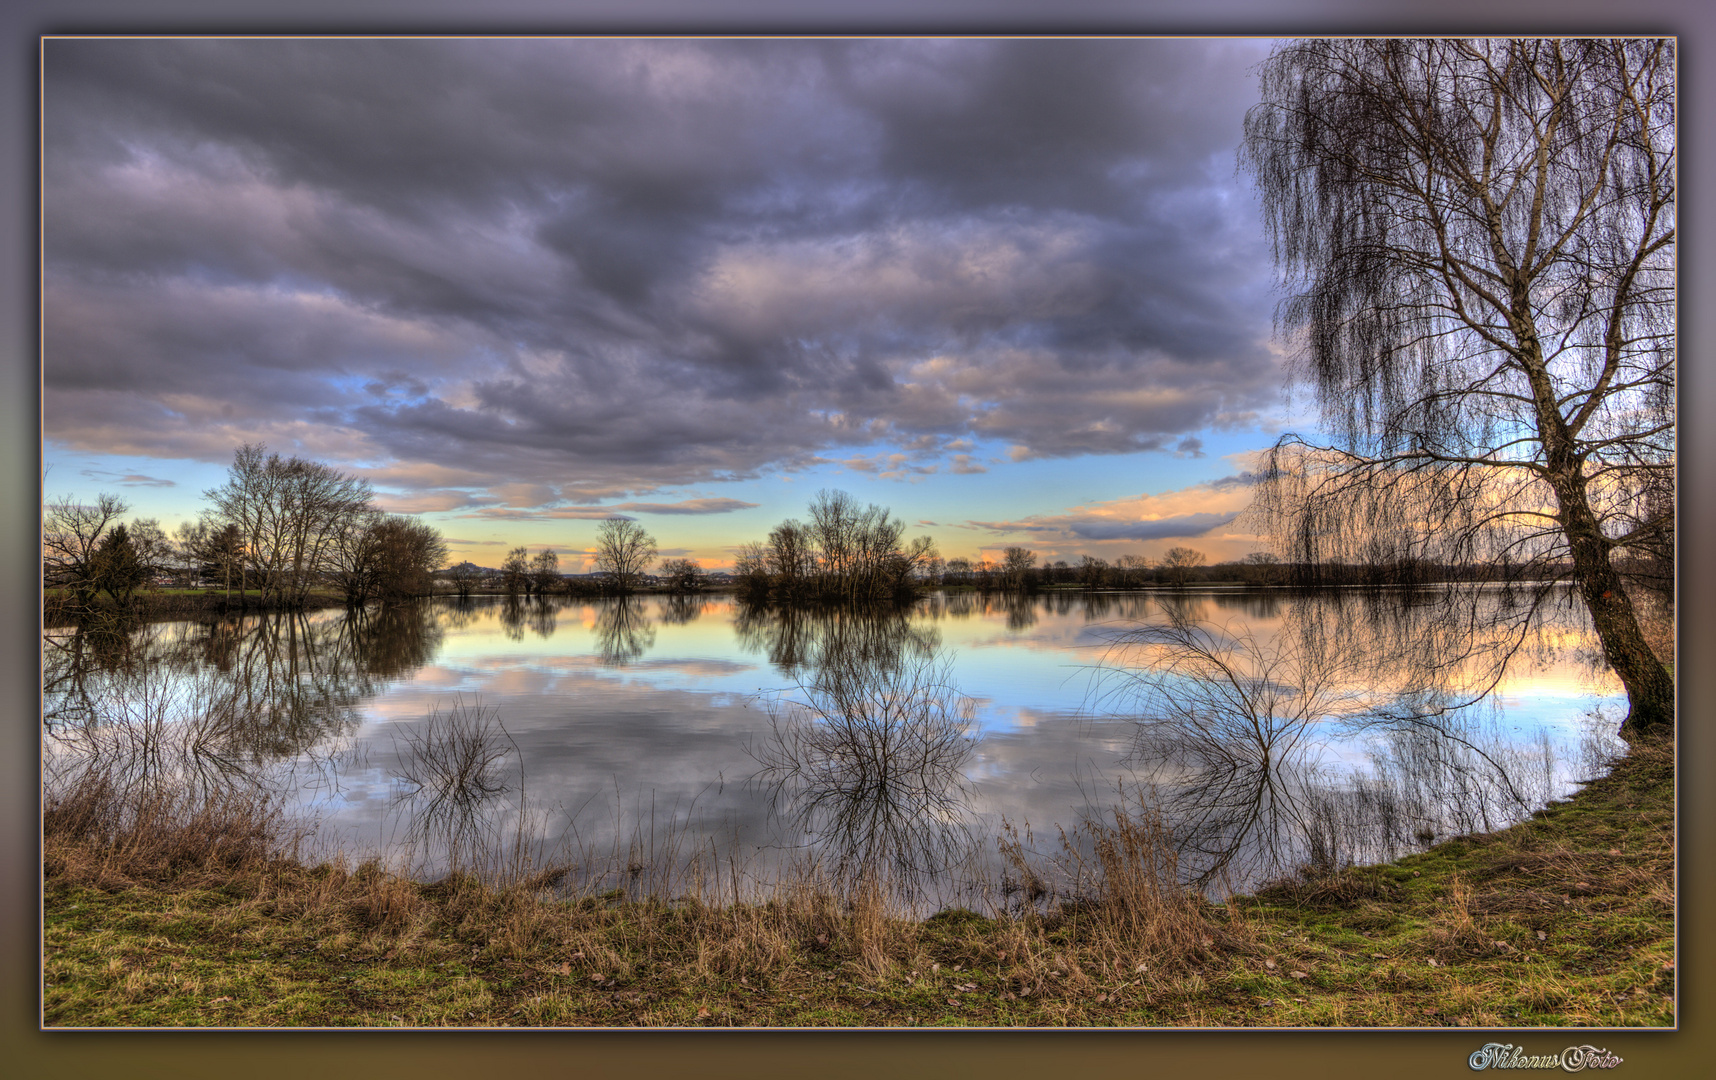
[(100, 832), (174, 911), (211, 880), (1118, 880)]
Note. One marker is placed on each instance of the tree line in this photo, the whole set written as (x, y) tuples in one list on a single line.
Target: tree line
[(845, 552), (277, 529), (624, 551), (1017, 571)]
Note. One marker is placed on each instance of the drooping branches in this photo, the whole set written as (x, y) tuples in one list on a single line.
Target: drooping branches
[(1479, 237)]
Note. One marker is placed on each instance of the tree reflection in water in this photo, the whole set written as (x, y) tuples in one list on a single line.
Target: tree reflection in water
[(512, 618), (623, 632), (543, 617), (216, 705), (1021, 611), (1223, 739), (1233, 734), (869, 768), (679, 609), (155, 736), (803, 642), (871, 759), (459, 613)]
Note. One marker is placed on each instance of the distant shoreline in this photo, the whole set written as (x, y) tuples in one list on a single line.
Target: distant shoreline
[(158, 605)]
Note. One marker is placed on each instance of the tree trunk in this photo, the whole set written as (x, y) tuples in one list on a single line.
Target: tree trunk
[(1650, 690)]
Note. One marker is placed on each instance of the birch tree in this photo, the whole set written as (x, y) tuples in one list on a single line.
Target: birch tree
[(1478, 237)]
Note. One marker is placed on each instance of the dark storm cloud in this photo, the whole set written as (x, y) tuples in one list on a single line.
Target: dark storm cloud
[(606, 267)]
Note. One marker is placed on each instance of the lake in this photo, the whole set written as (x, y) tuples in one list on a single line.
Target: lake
[(657, 742)]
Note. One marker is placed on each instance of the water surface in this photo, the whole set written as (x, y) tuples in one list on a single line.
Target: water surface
[(647, 730)]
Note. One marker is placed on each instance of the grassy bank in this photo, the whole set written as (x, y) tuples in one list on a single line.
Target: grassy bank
[(169, 913)]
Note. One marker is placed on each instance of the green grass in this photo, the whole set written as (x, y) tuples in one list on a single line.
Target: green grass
[(1567, 919)]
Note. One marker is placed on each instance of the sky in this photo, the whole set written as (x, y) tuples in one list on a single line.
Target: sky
[(1016, 291)]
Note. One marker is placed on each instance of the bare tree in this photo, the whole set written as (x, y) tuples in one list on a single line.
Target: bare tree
[(1092, 571), (857, 547), (545, 571), (1481, 236), (1179, 562), (71, 535), (354, 558), (846, 552), (290, 512), (410, 552), (1016, 565), (515, 571), (1263, 567), (623, 550), (683, 575), (381, 557), (904, 567), (751, 569), (464, 576), (182, 558), (154, 550), (1132, 569), (983, 574), (211, 551), (792, 559)]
